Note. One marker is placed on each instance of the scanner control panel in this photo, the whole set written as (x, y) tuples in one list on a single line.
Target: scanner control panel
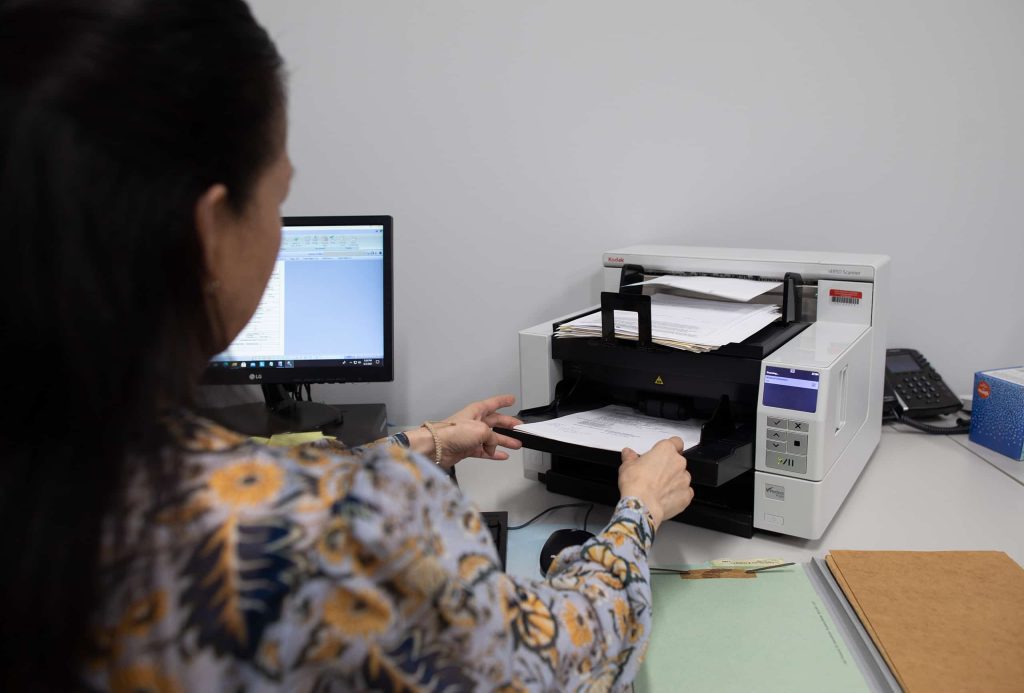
[(787, 443)]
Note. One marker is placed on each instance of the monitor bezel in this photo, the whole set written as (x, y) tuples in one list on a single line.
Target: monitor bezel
[(309, 375)]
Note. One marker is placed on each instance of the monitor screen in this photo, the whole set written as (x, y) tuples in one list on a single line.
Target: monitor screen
[(326, 314)]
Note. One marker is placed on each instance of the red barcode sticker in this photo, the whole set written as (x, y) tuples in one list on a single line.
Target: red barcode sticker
[(845, 296)]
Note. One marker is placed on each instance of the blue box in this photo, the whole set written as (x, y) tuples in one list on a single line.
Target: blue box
[(997, 414)]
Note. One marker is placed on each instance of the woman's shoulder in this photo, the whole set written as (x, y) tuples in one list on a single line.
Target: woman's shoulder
[(248, 530), (238, 473), (212, 445)]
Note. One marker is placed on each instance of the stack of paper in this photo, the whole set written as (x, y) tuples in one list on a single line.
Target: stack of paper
[(721, 288), (691, 324)]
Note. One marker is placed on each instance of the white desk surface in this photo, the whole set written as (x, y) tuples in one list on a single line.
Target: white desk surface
[(918, 492)]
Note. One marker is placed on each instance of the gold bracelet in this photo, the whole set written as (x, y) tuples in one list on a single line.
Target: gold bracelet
[(429, 425)]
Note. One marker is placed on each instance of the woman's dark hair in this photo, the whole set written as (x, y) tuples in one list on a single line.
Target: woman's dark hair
[(115, 117)]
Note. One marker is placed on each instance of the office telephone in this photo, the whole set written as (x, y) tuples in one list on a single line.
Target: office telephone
[(914, 390)]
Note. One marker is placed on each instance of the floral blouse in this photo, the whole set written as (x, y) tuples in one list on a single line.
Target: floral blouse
[(329, 569)]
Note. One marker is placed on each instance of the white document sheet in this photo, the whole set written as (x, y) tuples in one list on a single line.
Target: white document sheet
[(615, 427), (692, 324), (727, 288)]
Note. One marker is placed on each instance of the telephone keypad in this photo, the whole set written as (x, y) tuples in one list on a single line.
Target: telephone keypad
[(919, 389)]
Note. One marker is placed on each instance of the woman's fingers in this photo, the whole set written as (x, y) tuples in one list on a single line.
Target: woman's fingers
[(496, 402), (503, 420), (486, 409), (507, 442)]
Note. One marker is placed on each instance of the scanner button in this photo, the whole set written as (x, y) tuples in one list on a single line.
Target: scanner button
[(774, 422), (798, 443), (786, 461), (800, 426), (776, 446), (777, 435)]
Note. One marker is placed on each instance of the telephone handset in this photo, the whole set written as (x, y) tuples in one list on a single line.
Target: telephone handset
[(914, 390)]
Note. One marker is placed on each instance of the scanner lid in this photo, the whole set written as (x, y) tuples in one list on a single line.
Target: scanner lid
[(765, 263)]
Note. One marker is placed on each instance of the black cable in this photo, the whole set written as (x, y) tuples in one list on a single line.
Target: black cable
[(587, 517), (558, 400), (553, 507), (963, 426)]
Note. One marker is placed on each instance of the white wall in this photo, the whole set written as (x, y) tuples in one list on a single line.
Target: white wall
[(514, 141)]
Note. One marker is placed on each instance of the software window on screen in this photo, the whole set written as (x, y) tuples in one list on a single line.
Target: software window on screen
[(324, 301)]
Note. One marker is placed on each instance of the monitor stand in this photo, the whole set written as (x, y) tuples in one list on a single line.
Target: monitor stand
[(353, 424), (302, 416)]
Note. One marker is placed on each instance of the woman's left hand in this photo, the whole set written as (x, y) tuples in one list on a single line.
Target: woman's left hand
[(469, 433), (486, 411)]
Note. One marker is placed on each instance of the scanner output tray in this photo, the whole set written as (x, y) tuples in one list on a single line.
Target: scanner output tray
[(714, 461)]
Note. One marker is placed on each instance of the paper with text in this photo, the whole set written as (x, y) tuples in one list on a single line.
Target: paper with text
[(728, 288), (613, 428), (264, 333), (692, 324)]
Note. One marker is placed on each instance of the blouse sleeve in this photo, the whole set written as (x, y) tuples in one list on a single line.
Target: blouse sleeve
[(431, 571)]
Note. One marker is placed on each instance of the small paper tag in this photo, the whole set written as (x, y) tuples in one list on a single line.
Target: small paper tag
[(746, 564), (715, 573)]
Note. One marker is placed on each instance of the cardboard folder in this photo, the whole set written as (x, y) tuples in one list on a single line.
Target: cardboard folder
[(943, 620)]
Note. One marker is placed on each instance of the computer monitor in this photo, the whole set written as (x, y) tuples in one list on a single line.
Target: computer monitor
[(326, 316)]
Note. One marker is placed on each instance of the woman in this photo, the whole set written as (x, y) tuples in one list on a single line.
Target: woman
[(142, 168)]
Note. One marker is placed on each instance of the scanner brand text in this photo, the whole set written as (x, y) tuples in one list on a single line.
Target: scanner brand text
[(844, 272)]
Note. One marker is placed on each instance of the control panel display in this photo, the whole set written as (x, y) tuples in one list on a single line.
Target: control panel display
[(790, 388)]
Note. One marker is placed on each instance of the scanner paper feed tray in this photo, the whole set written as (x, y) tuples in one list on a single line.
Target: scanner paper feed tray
[(598, 436)]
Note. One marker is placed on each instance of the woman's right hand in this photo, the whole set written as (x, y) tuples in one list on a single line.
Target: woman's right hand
[(658, 478)]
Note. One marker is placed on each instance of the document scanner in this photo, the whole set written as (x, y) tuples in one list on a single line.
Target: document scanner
[(791, 414)]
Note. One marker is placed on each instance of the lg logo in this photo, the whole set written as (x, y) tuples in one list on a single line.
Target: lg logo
[(255, 376)]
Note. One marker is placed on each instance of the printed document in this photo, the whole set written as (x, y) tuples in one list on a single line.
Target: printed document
[(614, 427), (691, 324), (722, 288)]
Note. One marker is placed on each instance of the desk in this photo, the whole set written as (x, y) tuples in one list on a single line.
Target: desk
[(918, 492), (361, 423)]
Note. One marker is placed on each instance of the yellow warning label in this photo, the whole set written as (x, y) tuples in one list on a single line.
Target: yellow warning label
[(659, 381)]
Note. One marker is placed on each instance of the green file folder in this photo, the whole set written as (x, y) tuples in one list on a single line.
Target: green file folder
[(770, 633)]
